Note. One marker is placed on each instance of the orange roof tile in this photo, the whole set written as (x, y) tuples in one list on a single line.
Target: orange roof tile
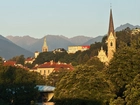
[(56, 66), (29, 59), (9, 63)]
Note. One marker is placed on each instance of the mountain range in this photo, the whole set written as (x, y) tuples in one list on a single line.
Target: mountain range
[(8, 49), (11, 46)]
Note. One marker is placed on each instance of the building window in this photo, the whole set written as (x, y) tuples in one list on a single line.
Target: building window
[(48, 71), (111, 44), (44, 72), (40, 71)]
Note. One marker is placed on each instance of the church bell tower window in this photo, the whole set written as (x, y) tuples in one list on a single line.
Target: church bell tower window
[(111, 44)]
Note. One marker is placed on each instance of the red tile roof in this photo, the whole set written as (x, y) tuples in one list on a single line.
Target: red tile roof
[(9, 63), (29, 59), (56, 66)]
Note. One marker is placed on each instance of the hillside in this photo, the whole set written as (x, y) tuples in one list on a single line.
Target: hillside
[(9, 49)]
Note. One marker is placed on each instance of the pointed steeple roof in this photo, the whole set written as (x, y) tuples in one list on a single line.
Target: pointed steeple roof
[(44, 47), (45, 43), (111, 25)]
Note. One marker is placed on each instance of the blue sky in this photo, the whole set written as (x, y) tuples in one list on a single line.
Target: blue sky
[(70, 18)]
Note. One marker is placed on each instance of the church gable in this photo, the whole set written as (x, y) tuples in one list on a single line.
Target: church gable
[(102, 56)]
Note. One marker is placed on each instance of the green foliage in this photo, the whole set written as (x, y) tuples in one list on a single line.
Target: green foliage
[(82, 57), (132, 92), (85, 58), (29, 65), (1, 60), (78, 102), (18, 86), (19, 59), (124, 36), (124, 67), (48, 56), (118, 101), (55, 77), (96, 62), (94, 48), (84, 83)]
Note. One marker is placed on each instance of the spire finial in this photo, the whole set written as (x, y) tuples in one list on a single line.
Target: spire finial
[(45, 47), (101, 47), (111, 25), (110, 5)]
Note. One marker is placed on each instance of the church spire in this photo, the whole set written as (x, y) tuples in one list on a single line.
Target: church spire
[(111, 40), (111, 25), (45, 43), (45, 47)]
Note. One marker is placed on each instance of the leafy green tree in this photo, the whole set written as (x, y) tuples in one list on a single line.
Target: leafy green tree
[(96, 62), (85, 58), (18, 86), (29, 65), (85, 84), (94, 48), (124, 66), (118, 101), (1, 60), (20, 60), (56, 76), (132, 92)]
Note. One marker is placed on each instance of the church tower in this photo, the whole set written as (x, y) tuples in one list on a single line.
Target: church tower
[(44, 47), (111, 38)]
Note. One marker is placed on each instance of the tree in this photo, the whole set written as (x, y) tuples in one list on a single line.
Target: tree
[(132, 93), (1, 60), (83, 86), (18, 86), (118, 101), (124, 66), (20, 60), (56, 76), (96, 62), (85, 58)]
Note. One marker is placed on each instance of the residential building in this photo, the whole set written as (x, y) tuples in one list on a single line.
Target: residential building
[(29, 60), (49, 67)]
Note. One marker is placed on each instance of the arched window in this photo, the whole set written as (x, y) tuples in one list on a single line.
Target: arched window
[(111, 44)]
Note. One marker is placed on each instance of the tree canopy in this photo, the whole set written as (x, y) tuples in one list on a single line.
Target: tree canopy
[(85, 85), (18, 86), (114, 84)]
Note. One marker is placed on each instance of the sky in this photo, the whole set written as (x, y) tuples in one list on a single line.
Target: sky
[(69, 18)]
